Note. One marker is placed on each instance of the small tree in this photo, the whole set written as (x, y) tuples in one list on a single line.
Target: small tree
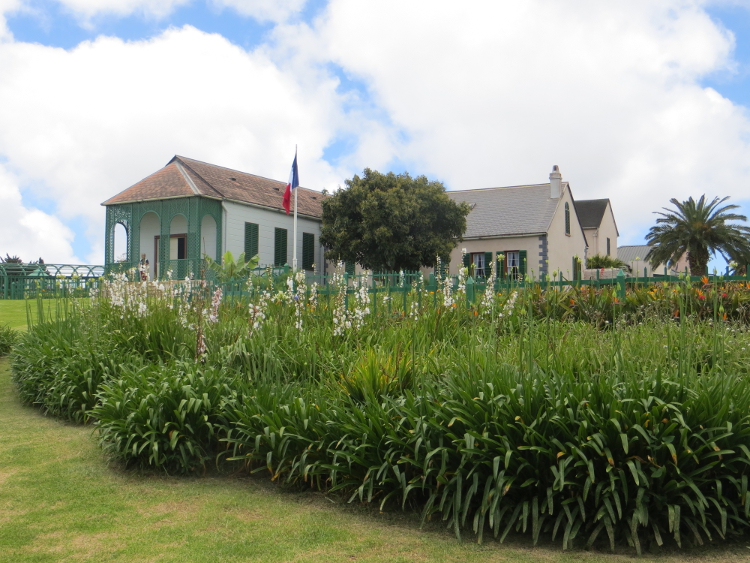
[(700, 229), (391, 222), (229, 268)]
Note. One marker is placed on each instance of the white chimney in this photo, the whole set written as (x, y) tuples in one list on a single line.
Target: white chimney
[(555, 183)]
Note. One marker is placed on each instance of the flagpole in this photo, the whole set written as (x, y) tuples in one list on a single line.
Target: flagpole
[(296, 189)]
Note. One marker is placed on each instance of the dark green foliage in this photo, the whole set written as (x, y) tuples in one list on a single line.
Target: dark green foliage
[(632, 426), (8, 337), (598, 261), (164, 417), (389, 222), (699, 229)]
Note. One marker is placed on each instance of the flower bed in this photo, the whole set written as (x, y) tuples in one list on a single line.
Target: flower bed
[(572, 414)]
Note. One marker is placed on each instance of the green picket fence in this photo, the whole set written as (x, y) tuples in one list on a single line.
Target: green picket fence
[(26, 281)]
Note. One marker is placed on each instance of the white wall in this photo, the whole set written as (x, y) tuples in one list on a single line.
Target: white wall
[(178, 226), (507, 244), (150, 228), (267, 220), (208, 236), (561, 247)]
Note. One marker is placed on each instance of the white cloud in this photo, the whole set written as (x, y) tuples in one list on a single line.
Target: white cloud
[(28, 232), (496, 93), (7, 7), (263, 10), (89, 122), (476, 94), (88, 9)]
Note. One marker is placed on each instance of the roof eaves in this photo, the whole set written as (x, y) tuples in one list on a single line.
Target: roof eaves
[(514, 235), (105, 204)]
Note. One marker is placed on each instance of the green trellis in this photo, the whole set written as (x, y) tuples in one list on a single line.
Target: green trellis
[(129, 215)]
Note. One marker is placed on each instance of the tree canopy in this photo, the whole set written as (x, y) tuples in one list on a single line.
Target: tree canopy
[(699, 229), (391, 222)]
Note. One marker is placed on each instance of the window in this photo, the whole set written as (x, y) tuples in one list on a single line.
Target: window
[(251, 240), (512, 263), (515, 264), (478, 261), (608, 248), (279, 247), (567, 219), (308, 251)]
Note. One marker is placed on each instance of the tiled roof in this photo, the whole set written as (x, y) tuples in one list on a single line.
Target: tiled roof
[(516, 210), (183, 177), (631, 253), (590, 212)]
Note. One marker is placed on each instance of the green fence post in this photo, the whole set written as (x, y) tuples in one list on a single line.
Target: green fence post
[(621, 284)]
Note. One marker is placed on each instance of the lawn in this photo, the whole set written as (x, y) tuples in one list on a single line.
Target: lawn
[(61, 500), (13, 311)]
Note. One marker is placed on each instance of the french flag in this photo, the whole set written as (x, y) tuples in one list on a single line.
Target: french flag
[(292, 184)]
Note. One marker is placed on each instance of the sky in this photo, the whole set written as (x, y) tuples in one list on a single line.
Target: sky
[(636, 101)]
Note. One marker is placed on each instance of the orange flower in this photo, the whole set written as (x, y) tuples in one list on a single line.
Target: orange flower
[(475, 313), (704, 279)]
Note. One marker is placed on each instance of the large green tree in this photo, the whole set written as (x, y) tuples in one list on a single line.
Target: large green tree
[(699, 229), (391, 221)]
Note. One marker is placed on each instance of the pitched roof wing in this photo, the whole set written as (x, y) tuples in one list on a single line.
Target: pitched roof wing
[(633, 252), (183, 177), (516, 210), (165, 183), (590, 212)]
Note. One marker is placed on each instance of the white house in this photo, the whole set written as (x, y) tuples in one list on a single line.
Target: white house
[(190, 208), (535, 227)]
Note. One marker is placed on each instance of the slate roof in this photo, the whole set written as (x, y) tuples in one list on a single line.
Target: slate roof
[(184, 177), (630, 253), (590, 212), (511, 211)]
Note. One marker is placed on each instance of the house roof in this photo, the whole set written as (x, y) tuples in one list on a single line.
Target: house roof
[(515, 210), (632, 253), (590, 212), (184, 177)]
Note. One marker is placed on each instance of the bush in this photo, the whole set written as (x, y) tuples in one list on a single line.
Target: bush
[(571, 414), (8, 337), (164, 417)]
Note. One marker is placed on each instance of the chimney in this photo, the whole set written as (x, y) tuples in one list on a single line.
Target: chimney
[(555, 182)]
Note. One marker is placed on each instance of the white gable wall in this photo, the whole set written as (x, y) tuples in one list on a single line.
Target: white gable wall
[(561, 248), (597, 238), (237, 214)]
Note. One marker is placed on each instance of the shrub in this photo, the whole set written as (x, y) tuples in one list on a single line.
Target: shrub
[(8, 337), (166, 417)]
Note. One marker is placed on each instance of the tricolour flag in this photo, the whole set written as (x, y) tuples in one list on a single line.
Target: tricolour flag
[(291, 185)]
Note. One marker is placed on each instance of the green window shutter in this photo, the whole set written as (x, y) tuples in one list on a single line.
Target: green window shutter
[(522, 260), (279, 247), (350, 268), (251, 240), (467, 259), (567, 218), (487, 264), (308, 251)]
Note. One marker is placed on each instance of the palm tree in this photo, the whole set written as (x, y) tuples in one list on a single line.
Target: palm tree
[(700, 229)]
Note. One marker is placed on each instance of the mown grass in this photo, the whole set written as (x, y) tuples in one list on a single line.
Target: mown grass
[(61, 501), (13, 311)]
